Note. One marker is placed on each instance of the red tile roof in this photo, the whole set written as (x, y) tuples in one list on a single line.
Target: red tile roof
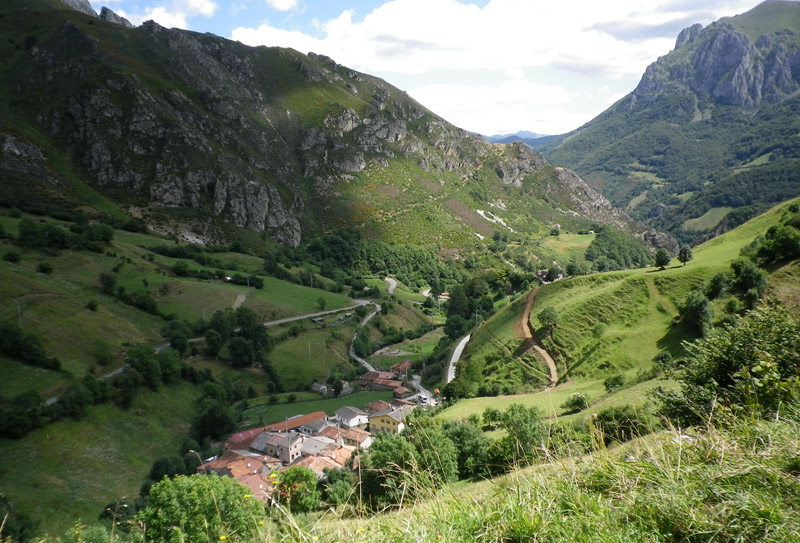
[(296, 422)]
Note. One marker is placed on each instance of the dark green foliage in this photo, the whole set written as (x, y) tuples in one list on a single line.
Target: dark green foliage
[(697, 313), (142, 358), (25, 346), (214, 420), (108, 282), (471, 446), (388, 470), (618, 424), (436, 453), (574, 403), (18, 526), (613, 250), (297, 488), (548, 317), (685, 254), (753, 363), (456, 326), (662, 258), (12, 256), (747, 276), (614, 382), (167, 466)]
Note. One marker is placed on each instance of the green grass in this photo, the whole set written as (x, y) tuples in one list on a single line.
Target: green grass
[(70, 470), (708, 220), (311, 356), (280, 411)]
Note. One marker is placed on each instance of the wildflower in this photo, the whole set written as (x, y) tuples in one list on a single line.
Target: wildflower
[(223, 538), (246, 496), (261, 523)]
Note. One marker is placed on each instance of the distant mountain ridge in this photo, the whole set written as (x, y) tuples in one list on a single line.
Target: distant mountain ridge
[(191, 132), (706, 140), (531, 139)]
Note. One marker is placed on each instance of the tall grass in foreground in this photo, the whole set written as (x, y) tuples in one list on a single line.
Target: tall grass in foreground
[(734, 482)]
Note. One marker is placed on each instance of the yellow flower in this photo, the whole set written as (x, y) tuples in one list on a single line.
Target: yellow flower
[(247, 496), (223, 538), (261, 523)]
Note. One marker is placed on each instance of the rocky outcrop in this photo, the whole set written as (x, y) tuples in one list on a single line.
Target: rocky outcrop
[(108, 15), (724, 63), (26, 158), (80, 5), (265, 138)]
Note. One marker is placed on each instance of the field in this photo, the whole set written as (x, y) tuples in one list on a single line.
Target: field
[(72, 469), (264, 413)]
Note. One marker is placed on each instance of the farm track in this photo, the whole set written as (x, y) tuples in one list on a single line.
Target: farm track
[(530, 342)]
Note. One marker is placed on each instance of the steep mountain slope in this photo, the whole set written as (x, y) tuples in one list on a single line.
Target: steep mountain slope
[(707, 138), (194, 133)]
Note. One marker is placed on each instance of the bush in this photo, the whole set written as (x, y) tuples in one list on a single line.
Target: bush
[(576, 402), (12, 256), (614, 382), (200, 508), (44, 267), (620, 424)]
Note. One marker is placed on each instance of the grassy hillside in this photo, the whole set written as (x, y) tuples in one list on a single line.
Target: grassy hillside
[(609, 324)]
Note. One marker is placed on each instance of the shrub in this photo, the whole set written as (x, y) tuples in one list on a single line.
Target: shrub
[(576, 402), (200, 508), (620, 423), (12, 256)]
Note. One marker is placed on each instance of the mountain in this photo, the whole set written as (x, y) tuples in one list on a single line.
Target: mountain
[(531, 139), (198, 136), (707, 138)]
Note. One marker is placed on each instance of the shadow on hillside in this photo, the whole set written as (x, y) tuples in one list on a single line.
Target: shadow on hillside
[(672, 341)]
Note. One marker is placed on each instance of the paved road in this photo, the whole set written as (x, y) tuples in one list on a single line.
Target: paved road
[(392, 284), (457, 352)]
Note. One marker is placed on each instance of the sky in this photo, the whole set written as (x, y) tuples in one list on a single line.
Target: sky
[(488, 66)]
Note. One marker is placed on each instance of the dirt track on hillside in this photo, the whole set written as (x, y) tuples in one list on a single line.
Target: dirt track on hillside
[(525, 330)]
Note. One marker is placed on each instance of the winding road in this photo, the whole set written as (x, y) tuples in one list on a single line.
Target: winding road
[(392, 284)]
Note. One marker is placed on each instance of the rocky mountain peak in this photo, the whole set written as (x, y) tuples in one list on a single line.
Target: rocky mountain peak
[(688, 34)]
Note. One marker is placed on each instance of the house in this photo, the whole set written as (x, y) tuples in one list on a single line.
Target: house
[(318, 464), (313, 446), (352, 417), (320, 388), (233, 462), (369, 379), (401, 368), (313, 427), (389, 420), (295, 422), (285, 446), (402, 392), (242, 440), (353, 437), (260, 486), (379, 405)]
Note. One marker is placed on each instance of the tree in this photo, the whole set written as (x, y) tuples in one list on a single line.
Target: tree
[(471, 445), (548, 317), (167, 466), (297, 487), (455, 326), (437, 454), (201, 509), (685, 254), (214, 421), (663, 258), (142, 358), (574, 403), (388, 470), (214, 342), (321, 303), (697, 312), (242, 352), (108, 282)]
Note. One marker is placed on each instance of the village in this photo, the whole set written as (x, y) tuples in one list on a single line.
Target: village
[(315, 440)]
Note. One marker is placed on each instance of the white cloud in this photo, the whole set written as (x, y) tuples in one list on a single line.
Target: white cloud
[(282, 5), (587, 42), (174, 14)]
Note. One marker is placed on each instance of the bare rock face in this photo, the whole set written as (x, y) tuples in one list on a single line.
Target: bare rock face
[(724, 63), (80, 5), (108, 15), (22, 157)]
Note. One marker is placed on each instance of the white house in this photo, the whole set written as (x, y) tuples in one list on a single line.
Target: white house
[(351, 417)]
